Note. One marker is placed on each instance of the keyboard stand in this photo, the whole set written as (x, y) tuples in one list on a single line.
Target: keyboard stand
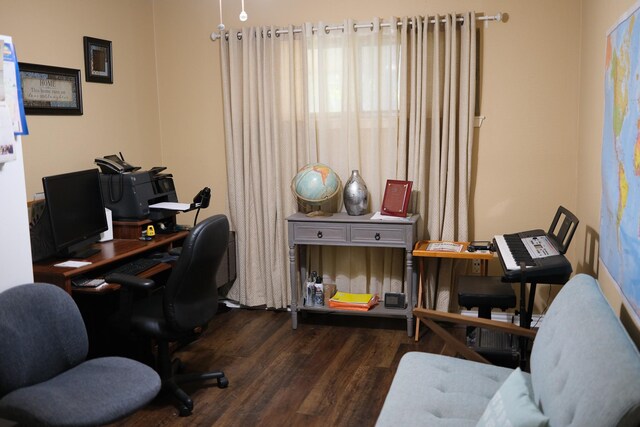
[(525, 313)]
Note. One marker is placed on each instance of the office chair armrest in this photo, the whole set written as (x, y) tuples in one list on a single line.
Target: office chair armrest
[(175, 251), (130, 281), (129, 285)]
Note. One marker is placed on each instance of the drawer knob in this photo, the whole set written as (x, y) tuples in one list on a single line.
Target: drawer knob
[(319, 234), (377, 236)]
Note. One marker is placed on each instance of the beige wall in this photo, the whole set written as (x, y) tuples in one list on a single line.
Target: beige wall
[(597, 18), (119, 117)]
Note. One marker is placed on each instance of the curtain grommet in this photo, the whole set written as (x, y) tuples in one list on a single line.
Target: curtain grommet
[(326, 29), (277, 33), (269, 33), (239, 36)]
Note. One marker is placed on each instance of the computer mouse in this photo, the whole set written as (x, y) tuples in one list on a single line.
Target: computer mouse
[(158, 255)]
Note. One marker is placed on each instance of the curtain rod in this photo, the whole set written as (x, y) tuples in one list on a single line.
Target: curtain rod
[(498, 17)]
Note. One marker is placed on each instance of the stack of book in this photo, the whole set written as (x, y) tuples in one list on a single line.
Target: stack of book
[(348, 301)]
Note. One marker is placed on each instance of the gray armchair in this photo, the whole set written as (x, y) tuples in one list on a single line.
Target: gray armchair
[(44, 377)]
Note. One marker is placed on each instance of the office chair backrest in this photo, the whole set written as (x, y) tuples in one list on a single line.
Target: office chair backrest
[(191, 295), (41, 335), (567, 228)]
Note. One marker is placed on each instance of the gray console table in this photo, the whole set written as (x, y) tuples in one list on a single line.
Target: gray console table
[(341, 229)]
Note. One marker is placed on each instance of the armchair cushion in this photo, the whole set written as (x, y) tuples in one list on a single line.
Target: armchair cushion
[(512, 405), (428, 389), (92, 401)]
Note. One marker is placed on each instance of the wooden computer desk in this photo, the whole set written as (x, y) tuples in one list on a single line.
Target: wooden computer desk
[(420, 252), (97, 305), (111, 253)]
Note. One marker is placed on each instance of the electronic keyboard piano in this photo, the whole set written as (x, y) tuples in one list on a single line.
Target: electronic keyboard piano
[(544, 259)]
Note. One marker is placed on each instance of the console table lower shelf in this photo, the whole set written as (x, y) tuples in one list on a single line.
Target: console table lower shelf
[(341, 229), (377, 311)]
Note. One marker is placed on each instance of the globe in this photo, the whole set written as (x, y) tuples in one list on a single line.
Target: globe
[(317, 189)]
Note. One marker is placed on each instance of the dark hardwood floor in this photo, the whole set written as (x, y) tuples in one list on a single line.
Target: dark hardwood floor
[(332, 371)]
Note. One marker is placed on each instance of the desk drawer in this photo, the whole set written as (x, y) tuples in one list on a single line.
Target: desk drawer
[(320, 234), (386, 235)]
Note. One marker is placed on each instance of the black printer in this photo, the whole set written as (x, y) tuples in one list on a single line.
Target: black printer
[(128, 192)]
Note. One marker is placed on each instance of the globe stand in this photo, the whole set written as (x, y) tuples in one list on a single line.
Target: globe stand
[(318, 213)]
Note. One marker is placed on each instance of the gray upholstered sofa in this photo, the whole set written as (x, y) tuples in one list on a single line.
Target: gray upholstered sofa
[(585, 371)]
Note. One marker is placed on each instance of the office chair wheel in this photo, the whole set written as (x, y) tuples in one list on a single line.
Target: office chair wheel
[(185, 404), (184, 411), (223, 382), (177, 367)]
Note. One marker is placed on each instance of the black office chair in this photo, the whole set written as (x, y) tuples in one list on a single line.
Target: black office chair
[(44, 377), (187, 303)]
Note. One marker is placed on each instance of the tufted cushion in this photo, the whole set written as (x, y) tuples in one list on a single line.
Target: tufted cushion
[(428, 389), (585, 370), (513, 406)]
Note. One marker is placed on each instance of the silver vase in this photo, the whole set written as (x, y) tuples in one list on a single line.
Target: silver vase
[(356, 195)]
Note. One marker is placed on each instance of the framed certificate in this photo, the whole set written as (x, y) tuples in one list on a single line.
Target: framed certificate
[(396, 197), (50, 90)]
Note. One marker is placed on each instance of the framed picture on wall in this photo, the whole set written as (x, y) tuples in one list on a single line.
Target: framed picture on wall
[(97, 60), (48, 90)]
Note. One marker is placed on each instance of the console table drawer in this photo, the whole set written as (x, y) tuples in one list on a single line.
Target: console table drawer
[(376, 235), (320, 233)]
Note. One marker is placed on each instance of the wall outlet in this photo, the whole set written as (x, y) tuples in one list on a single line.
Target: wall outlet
[(475, 266)]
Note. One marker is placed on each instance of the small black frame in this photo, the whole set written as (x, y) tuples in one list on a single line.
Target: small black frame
[(48, 90), (98, 60)]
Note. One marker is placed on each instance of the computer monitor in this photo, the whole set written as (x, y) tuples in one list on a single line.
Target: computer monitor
[(76, 212)]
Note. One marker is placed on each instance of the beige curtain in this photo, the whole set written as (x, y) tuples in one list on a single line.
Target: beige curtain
[(264, 104), (440, 111), (392, 103)]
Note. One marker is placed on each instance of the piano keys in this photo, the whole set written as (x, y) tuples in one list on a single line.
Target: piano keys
[(544, 261)]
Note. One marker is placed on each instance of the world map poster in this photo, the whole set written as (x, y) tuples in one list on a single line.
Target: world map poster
[(620, 210)]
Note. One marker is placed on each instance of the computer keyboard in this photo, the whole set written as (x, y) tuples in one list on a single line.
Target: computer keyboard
[(135, 267)]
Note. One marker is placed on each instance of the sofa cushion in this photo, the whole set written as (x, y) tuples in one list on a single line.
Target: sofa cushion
[(434, 390), (585, 370), (513, 406)]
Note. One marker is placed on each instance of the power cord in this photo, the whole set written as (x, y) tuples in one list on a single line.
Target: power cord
[(195, 220), (545, 308)]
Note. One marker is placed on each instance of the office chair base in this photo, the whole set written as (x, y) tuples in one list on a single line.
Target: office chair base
[(185, 403)]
